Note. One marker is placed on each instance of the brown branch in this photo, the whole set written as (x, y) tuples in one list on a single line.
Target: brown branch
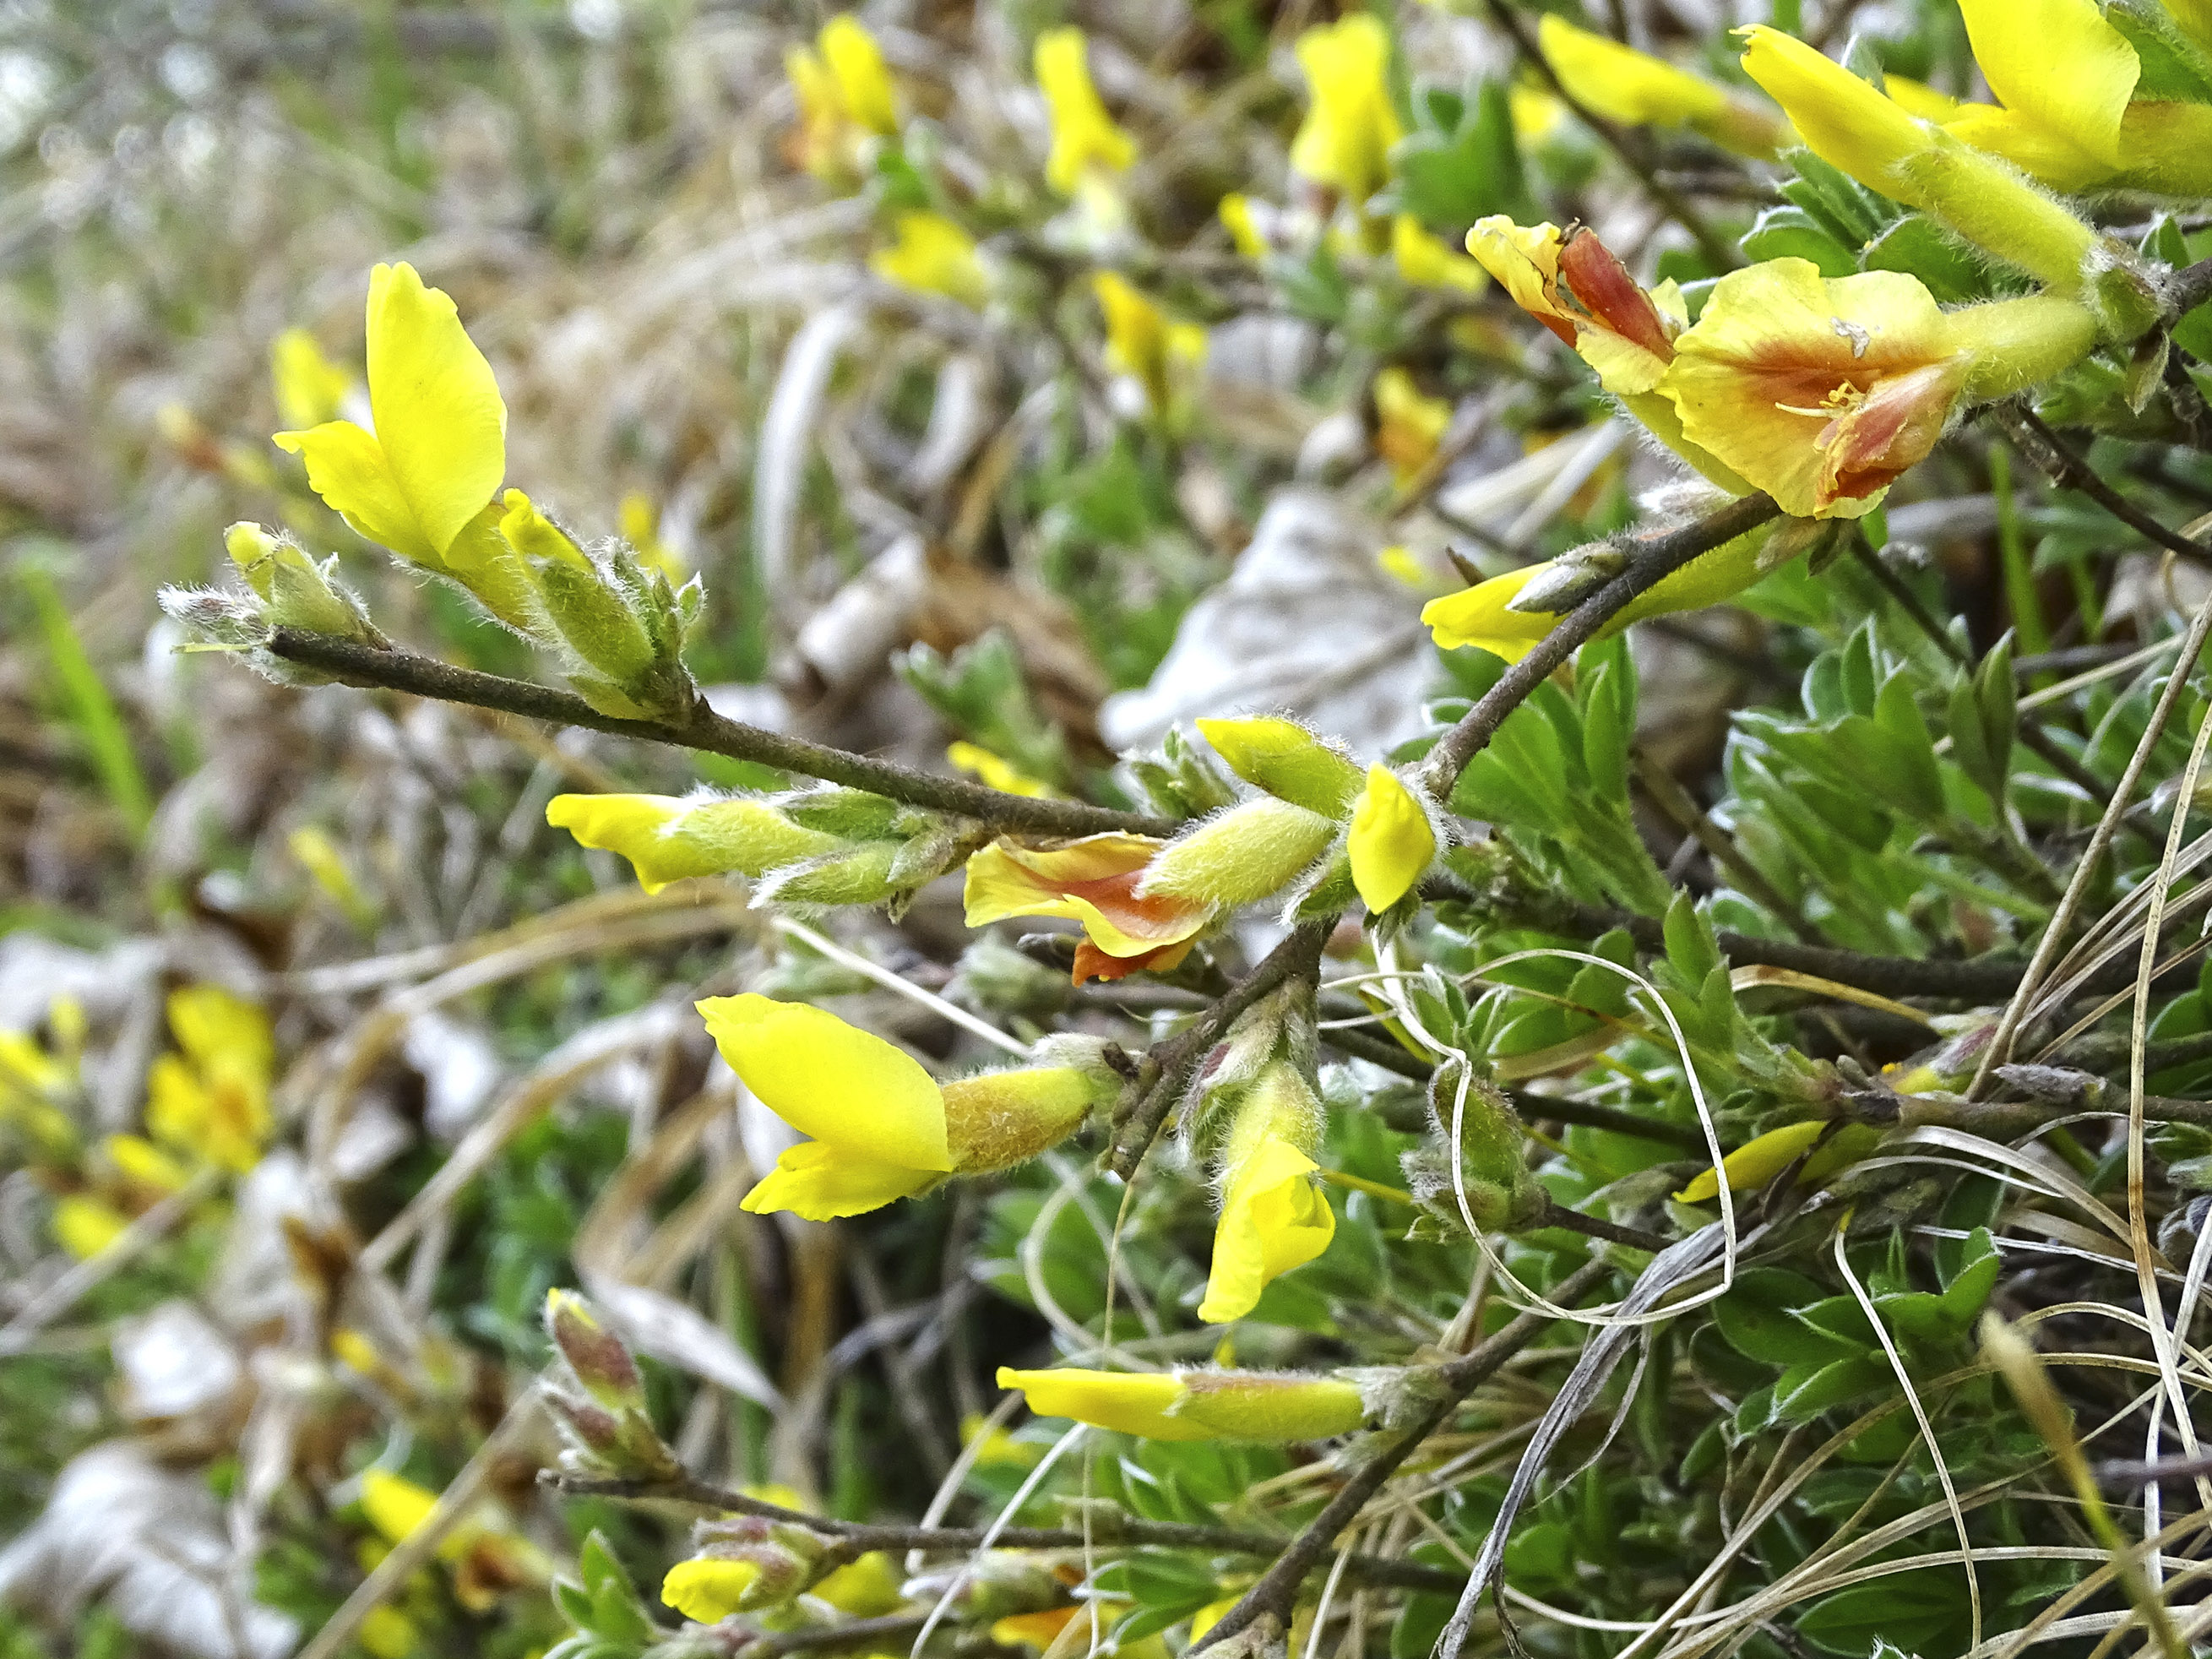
[(2188, 288), (1557, 1214), (1167, 1071), (1110, 1531), (890, 1630), (1276, 1592), (1651, 558), (2067, 468), (704, 730)]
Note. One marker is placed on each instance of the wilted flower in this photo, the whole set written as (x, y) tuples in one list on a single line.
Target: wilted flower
[(1351, 124), (883, 1128), (1093, 882)]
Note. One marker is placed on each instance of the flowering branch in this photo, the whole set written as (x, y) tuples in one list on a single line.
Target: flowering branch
[(1105, 1528), (356, 664), (1273, 1596), (1651, 559)]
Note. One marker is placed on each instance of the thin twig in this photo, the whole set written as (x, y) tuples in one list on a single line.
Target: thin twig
[(1651, 559), (1276, 1591), (1105, 1530), (1166, 1071), (704, 730), (2067, 468)]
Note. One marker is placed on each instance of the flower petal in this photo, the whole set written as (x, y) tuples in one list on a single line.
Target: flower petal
[(349, 471), (1092, 881), (1477, 616), (817, 1181), (1127, 1402), (668, 838), (1273, 1219), (1392, 840), (2060, 64), (439, 421), (831, 1080), (1621, 83)]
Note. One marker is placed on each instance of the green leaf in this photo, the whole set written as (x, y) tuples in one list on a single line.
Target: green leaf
[(1758, 1318), (1805, 1391), (1782, 232), (85, 704), (1920, 247), (1450, 175), (1969, 1290), (1690, 951), (1919, 1611)]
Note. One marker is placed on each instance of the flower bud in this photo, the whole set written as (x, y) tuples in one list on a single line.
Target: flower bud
[(1240, 856), (295, 591), (1273, 1217), (1000, 1119), (853, 814), (1561, 584), (860, 876), (994, 1586), (998, 977), (1501, 1191), (746, 1563), (595, 1354), (667, 838), (1195, 1405), (1287, 761)]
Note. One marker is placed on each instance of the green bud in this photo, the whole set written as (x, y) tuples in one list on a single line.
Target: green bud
[(834, 810), (998, 977), (295, 591), (595, 1354), (1240, 856), (1287, 761), (1501, 1190), (595, 620), (862, 876)]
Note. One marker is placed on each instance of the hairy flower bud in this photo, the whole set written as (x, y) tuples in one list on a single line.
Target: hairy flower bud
[(595, 1354), (1286, 760), (667, 838), (295, 591), (1499, 1191), (1240, 856), (1195, 1405), (861, 875)]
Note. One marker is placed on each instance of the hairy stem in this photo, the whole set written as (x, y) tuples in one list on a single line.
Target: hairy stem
[(704, 730)]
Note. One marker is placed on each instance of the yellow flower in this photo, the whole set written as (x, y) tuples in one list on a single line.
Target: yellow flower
[(845, 98), (395, 1505), (995, 771), (1346, 139), (883, 1128), (1409, 424), (1083, 136), (1285, 759), (998, 1449), (1392, 840), (211, 1099), (1239, 856), (309, 385), (1822, 391), (1195, 1405), (1273, 1218), (1755, 1163), (1623, 84), (2062, 77), (1427, 261), (668, 838), (705, 1590), (1478, 616), (1142, 343), (440, 447), (533, 535), (388, 1633), (1537, 115), (932, 255), (84, 1226), (1092, 882), (1235, 213), (142, 1163), (1851, 126)]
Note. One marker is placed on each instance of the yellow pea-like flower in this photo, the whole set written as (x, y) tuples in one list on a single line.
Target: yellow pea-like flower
[(846, 97), (640, 522), (1428, 261), (1195, 1405), (1392, 841), (1351, 124), (863, 84), (1755, 1163), (309, 386), (932, 255), (2064, 77), (883, 1128), (395, 1506), (1409, 424), (440, 448), (668, 838), (1092, 882), (707, 1590), (1623, 84), (995, 770), (1085, 139), (1851, 126), (1142, 343), (210, 1099), (84, 1226), (1273, 1217)]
